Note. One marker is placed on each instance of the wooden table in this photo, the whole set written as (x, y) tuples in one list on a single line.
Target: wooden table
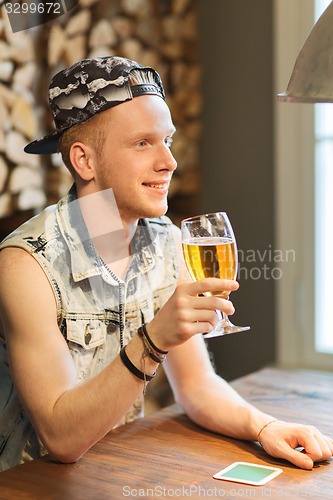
[(167, 456)]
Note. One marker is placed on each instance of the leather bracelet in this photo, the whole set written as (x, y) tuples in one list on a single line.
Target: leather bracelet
[(133, 369), (158, 359), (155, 356), (145, 333)]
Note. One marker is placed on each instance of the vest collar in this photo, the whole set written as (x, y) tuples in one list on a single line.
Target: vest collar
[(85, 261)]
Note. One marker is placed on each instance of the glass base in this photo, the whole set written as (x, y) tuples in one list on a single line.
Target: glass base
[(224, 327)]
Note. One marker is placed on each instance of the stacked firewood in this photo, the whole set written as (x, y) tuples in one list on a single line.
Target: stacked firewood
[(158, 33), (21, 178)]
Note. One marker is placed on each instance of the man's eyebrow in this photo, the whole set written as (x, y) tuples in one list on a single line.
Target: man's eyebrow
[(138, 134)]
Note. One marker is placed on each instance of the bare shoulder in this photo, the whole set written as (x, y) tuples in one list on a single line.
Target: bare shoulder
[(18, 266), (24, 288), (11, 257)]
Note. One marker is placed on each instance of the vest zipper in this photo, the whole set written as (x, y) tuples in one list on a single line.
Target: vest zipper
[(121, 303)]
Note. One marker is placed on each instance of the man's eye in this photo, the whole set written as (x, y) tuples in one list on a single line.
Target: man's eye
[(169, 141)]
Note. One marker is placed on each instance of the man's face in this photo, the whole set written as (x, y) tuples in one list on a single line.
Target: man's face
[(136, 161)]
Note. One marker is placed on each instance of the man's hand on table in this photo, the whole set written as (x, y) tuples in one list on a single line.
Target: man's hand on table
[(280, 439)]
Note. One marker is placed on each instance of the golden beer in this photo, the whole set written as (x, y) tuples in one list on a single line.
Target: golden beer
[(212, 257)]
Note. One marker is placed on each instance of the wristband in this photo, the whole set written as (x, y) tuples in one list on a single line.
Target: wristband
[(148, 348), (264, 427), (145, 333), (133, 369)]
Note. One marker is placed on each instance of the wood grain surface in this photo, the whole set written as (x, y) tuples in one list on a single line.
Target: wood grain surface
[(167, 456)]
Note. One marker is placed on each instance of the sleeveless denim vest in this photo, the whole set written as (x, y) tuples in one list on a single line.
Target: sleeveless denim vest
[(97, 312)]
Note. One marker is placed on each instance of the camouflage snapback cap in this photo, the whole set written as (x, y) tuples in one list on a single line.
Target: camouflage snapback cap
[(87, 88)]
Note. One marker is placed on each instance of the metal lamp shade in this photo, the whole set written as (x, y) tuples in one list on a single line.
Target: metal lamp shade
[(312, 77)]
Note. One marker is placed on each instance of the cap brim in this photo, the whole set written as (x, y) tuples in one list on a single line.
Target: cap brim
[(46, 146)]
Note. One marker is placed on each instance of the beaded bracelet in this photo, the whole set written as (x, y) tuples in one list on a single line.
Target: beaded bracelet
[(145, 333), (264, 427), (133, 369)]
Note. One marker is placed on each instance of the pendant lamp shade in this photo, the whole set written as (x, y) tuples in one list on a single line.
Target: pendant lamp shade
[(312, 77)]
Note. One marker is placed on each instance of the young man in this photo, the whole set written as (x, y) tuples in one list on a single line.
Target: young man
[(80, 279)]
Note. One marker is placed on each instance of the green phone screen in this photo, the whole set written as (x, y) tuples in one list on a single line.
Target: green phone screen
[(247, 473)]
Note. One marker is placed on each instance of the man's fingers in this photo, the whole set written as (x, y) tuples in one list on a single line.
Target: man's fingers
[(300, 459), (213, 303), (213, 285), (315, 446)]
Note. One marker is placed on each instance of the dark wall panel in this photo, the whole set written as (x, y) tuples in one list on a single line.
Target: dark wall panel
[(237, 163)]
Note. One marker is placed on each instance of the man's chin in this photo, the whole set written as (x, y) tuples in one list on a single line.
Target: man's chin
[(156, 212), (162, 212)]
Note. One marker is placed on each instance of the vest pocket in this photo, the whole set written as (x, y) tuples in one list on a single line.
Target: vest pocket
[(88, 333)]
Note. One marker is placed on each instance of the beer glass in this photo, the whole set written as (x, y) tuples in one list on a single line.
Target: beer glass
[(210, 251)]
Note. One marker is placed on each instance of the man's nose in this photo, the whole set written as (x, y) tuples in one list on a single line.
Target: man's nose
[(167, 160)]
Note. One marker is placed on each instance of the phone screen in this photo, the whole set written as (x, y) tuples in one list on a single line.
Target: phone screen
[(243, 472)]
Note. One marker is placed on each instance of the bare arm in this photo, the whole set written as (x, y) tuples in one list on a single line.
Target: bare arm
[(69, 418), (208, 399), (212, 403)]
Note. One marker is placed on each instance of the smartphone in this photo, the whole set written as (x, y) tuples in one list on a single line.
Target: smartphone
[(247, 473)]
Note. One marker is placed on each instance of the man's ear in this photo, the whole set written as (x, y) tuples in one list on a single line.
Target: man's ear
[(82, 160)]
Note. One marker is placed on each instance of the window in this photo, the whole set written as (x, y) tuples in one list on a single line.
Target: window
[(323, 218), (304, 202)]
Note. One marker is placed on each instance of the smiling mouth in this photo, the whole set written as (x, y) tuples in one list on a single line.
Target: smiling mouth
[(156, 186)]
